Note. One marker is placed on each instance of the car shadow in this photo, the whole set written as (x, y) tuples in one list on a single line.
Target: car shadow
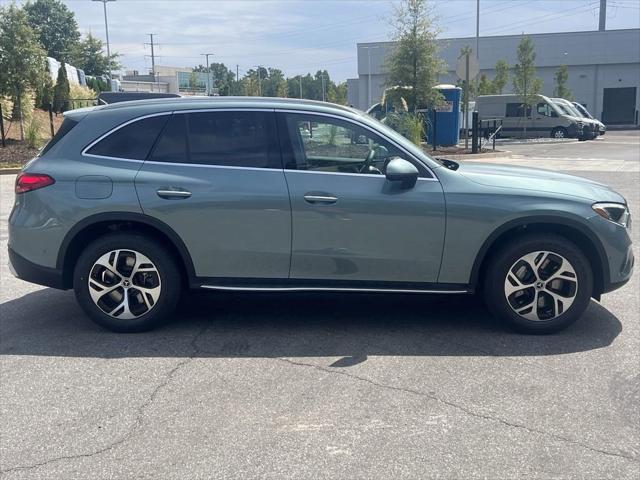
[(351, 326)]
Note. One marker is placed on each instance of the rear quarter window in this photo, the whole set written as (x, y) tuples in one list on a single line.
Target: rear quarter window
[(66, 127), (132, 141)]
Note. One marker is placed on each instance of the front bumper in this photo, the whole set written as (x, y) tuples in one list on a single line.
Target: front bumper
[(30, 272)]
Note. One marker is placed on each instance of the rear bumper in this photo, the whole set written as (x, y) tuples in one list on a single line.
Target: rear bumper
[(30, 272)]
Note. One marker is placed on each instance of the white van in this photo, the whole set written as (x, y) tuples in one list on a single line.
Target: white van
[(590, 130), (545, 119)]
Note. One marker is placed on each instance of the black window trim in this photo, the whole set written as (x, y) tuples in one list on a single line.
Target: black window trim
[(411, 157)]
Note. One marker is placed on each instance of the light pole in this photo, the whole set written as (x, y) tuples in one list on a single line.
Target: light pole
[(259, 80), (106, 26), (369, 47), (206, 55)]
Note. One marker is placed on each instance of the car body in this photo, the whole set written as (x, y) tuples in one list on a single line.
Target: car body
[(545, 119), (591, 128), (602, 129), (287, 195)]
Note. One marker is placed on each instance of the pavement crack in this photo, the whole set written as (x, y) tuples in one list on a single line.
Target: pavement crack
[(139, 417), (462, 408)]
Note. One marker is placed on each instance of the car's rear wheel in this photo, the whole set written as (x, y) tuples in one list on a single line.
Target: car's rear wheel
[(127, 282), (538, 284)]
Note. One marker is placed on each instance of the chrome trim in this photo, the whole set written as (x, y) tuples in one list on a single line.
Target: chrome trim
[(173, 193), (115, 129), (367, 127), (320, 198), (327, 289), (370, 175), (206, 165)]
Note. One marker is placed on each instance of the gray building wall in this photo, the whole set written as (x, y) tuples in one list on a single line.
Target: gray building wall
[(595, 60)]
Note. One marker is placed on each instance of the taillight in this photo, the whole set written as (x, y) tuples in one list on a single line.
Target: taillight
[(27, 182)]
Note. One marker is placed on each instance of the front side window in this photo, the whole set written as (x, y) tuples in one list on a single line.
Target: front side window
[(331, 145), (546, 110), (131, 141)]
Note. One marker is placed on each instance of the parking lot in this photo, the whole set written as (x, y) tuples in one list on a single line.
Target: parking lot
[(325, 385)]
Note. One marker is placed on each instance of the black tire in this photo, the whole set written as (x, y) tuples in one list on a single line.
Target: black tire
[(500, 264), (167, 271), (559, 130)]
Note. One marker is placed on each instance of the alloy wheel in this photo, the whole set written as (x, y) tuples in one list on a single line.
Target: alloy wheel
[(541, 286), (124, 284)]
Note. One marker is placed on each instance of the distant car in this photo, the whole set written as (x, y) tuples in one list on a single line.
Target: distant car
[(590, 130), (545, 119), (130, 203), (602, 128), (106, 98)]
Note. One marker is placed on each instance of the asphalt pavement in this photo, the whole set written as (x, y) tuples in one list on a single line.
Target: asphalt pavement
[(326, 385)]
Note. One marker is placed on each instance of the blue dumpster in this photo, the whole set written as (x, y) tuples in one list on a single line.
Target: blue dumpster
[(446, 117)]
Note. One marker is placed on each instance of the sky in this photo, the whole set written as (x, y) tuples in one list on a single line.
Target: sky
[(300, 36)]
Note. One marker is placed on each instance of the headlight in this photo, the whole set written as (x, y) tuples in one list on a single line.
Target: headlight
[(614, 212)]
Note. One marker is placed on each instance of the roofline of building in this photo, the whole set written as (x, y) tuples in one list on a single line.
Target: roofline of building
[(518, 35)]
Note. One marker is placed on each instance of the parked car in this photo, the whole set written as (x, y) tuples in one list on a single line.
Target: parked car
[(590, 130), (585, 114), (131, 202), (545, 119)]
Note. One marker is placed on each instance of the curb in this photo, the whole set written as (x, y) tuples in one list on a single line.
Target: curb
[(472, 156), (10, 171)]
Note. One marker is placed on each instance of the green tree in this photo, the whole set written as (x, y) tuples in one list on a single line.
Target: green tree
[(485, 86), (22, 59), (525, 84), (501, 78), (414, 61), (561, 90), (55, 25), (87, 54), (338, 93), (61, 91)]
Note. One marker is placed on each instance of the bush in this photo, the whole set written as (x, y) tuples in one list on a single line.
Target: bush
[(32, 134), (61, 91), (81, 96), (409, 125)]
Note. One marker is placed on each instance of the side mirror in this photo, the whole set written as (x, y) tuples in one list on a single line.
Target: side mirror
[(399, 170)]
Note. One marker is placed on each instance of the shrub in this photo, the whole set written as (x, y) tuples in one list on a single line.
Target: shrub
[(81, 96), (32, 134), (409, 125)]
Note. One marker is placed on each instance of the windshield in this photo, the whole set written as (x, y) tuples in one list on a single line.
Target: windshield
[(585, 113), (566, 110)]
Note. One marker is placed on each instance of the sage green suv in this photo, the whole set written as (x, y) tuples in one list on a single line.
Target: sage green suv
[(133, 202)]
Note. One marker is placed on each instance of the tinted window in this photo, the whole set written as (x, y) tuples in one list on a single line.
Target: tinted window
[(65, 128), (131, 141), (239, 139), (517, 110), (172, 144), (331, 145)]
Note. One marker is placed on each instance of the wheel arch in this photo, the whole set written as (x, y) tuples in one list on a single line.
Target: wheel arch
[(94, 226), (573, 230)]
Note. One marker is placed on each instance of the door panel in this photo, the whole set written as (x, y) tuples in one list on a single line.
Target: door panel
[(374, 231), (234, 220), (348, 221)]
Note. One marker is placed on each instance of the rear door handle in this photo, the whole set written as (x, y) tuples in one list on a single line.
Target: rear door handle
[(173, 194), (314, 199)]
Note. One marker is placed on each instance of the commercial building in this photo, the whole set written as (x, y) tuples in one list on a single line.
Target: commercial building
[(604, 68)]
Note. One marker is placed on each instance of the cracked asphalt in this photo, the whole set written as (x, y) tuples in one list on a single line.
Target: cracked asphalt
[(326, 385)]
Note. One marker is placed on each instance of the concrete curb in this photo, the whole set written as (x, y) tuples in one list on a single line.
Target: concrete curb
[(471, 156), (10, 171)]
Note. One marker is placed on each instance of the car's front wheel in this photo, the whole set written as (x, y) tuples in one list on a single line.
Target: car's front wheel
[(127, 282), (538, 284)]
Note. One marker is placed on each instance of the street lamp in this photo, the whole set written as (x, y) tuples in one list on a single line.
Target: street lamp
[(106, 26), (259, 80), (206, 55), (369, 47)]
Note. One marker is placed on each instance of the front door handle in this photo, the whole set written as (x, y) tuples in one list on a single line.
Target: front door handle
[(326, 199), (173, 194)]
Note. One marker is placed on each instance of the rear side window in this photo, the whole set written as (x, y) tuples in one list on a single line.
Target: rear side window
[(132, 141), (172, 144), (237, 139), (67, 125), (517, 110)]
